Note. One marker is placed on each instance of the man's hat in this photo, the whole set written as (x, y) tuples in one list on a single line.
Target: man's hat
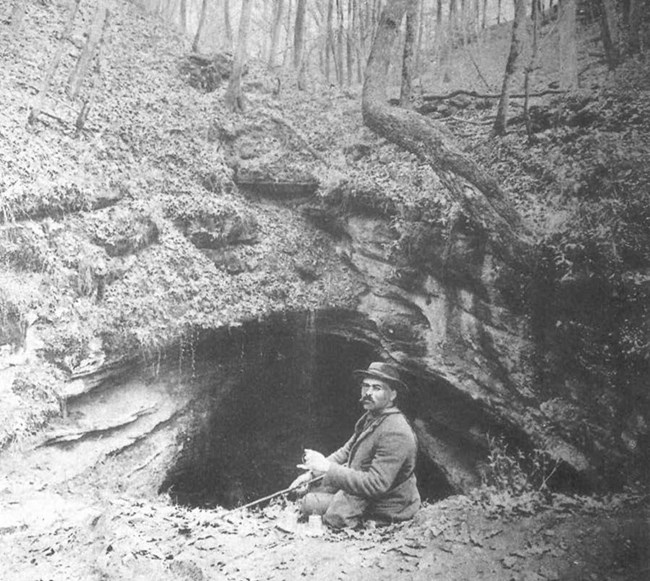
[(384, 372)]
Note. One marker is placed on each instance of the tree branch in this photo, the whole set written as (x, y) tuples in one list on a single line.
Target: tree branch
[(477, 95), (280, 121), (470, 185)]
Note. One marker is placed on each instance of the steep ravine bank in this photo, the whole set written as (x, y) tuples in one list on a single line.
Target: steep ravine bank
[(467, 353), (221, 416), (218, 419), (468, 336)]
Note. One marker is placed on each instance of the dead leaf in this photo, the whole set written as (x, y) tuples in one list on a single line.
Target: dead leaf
[(509, 562), (406, 551), (494, 533)]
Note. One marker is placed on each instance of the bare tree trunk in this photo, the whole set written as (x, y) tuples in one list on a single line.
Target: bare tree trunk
[(166, 9), (286, 54), (227, 26), (438, 31), (499, 12), (235, 100), (408, 60), (453, 17), (420, 37), (275, 32), (609, 33), (450, 40), (265, 44), (329, 39), (317, 13), (357, 27), (635, 18), (339, 42), (368, 27), (478, 193), (463, 21), (350, 43), (199, 30), (445, 39), (364, 27), (299, 34), (183, 15), (56, 60), (568, 50), (478, 70), (517, 45), (89, 50), (484, 17), (531, 67)]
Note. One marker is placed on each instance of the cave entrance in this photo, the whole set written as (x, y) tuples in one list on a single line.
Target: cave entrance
[(282, 385)]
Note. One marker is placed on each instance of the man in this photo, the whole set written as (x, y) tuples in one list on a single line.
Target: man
[(372, 475)]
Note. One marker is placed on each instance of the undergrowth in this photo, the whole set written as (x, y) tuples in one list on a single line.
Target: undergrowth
[(583, 185), (513, 471), (44, 197), (31, 403)]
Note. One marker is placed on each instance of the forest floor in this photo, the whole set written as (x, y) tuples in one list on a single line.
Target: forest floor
[(81, 533)]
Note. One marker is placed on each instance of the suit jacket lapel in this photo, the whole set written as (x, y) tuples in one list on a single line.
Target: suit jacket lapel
[(361, 433)]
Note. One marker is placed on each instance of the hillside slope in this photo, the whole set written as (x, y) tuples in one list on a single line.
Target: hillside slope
[(122, 236), (93, 247)]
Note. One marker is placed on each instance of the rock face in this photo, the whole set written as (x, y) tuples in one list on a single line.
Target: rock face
[(222, 416), (465, 352)]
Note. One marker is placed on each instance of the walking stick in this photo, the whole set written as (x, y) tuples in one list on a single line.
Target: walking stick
[(274, 495)]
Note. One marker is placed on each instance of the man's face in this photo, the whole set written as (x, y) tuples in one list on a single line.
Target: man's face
[(376, 395)]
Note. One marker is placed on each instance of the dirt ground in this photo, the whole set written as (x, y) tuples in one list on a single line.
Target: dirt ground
[(60, 533)]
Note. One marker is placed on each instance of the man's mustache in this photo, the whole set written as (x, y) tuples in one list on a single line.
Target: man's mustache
[(365, 398)]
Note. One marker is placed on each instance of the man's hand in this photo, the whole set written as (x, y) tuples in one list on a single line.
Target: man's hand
[(315, 462), (299, 485)]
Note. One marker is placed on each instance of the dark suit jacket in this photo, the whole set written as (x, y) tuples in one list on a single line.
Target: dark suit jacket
[(377, 463)]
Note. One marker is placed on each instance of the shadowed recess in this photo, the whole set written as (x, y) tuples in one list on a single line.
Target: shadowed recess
[(284, 384)]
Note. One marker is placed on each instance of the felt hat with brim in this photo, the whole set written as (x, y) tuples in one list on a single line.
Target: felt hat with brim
[(384, 372)]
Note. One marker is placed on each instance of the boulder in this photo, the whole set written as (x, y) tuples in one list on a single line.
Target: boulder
[(206, 72), (126, 231), (218, 230)]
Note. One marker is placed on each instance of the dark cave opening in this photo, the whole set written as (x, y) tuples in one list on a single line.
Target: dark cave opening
[(283, 385)]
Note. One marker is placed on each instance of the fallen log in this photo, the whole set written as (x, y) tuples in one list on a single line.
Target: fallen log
[(477, 95), (316, 154)]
